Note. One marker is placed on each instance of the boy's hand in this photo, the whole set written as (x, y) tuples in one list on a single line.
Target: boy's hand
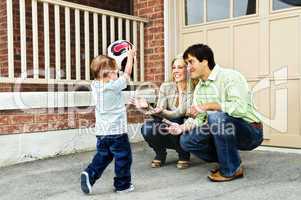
[(131, 53), (131, 58)]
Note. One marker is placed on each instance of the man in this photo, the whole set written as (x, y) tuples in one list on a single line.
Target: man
[(223, 120)]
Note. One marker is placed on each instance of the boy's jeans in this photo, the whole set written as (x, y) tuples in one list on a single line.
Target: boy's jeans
[(109, 147), (221, 139)]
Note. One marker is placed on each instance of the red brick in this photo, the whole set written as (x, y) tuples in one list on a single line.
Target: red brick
[(21, 119)]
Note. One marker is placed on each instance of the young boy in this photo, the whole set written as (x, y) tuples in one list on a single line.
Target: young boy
[(111, 124)]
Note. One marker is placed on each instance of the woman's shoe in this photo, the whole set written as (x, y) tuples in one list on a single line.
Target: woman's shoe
[(156, 163), (183, 164)]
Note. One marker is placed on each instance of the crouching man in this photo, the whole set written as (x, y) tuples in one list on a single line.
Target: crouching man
[(223, 119)]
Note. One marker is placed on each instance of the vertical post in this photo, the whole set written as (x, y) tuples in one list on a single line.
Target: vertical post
[(67, 43), (23, 38), (87, 46), (104, 34), (10, 38), (112, 28), (35, 39), (46, 40), (141, 51), (120, 28), (95, 33), (57, 42), (77, 44), (135, 44), (127, 30)]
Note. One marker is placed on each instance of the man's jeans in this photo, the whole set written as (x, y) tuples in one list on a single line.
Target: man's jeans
[(109, 147), (220, 139)]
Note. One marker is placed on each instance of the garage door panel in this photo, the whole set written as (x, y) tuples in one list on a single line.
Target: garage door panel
[(291, 115), (246, 49), (189, 39), (284, 45), (219, 41)]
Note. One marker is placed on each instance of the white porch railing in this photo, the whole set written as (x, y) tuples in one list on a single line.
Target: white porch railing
[(128, 27)]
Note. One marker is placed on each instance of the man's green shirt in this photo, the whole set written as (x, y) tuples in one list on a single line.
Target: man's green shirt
[(229, 89)]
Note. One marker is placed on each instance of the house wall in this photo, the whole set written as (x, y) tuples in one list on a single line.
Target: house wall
[(41, 120), (153, 37)]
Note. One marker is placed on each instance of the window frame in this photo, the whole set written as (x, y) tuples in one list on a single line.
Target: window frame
[(231, 17), (283, 9)]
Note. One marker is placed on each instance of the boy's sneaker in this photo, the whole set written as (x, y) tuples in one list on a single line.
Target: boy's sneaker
[(130, 189), (85, 183)]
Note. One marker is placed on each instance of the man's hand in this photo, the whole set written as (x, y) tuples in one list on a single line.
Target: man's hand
[(194, 110), (175, 129)]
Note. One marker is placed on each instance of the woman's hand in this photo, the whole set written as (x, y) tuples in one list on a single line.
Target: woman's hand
[(138, 103), (154, 111)]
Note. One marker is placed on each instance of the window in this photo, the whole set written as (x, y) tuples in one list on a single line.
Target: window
[(244, 7), (194, 11), (281, 4), (217, 9)]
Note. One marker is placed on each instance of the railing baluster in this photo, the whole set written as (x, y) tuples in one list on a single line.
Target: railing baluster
[(141, 51), (77, 44), (120, 28), (127, 30), (10, 38), (119, 21), (135, 44), (57, 42), (23, 38), (46, 40), (35, 39), (95, 33), (104, 34), (67, 42), (112, 28), (87, 47)]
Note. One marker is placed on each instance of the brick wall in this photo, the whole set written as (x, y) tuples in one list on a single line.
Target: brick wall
[(3, 39), (153, 38), (35, 120)]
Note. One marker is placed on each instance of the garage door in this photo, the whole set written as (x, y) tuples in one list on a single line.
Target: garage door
[(261, 39)]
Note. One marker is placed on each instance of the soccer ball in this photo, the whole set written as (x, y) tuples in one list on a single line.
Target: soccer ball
[(118, 51)]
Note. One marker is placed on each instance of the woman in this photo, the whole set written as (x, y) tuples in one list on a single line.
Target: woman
[(174, 99)]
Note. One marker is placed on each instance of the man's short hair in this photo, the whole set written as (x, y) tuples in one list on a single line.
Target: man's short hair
[(201, 52), (102, 65)]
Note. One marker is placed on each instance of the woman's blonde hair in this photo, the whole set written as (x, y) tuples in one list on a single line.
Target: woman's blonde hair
[(191, 83)]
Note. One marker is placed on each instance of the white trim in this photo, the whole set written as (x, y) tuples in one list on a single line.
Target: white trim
[(166, 40), (10, 38), (30, 100), (280, 150), (26, 147), (23, 38)]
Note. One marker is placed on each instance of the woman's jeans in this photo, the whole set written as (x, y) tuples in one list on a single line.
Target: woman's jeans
[(109, 147), (158, 139), (221, 139)]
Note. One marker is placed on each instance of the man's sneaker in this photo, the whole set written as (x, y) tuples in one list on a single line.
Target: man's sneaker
[(130, 189), (85, 183)]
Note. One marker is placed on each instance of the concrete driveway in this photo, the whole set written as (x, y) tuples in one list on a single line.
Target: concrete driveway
[(269, 175)]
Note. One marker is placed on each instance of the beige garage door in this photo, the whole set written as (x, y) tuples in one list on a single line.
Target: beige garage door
[(261, 39)]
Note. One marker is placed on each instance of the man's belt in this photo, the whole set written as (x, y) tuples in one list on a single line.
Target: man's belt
[(257, 125)]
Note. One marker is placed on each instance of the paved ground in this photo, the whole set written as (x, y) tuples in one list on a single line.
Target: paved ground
[(269, 175)]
